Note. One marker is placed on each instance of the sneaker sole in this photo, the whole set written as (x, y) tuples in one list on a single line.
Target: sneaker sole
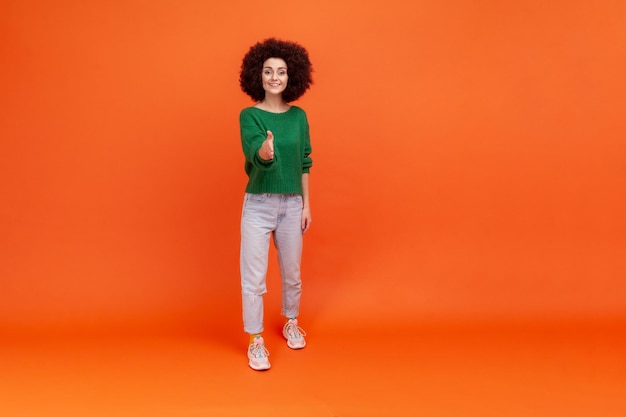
[(259, 368), (294, 347)]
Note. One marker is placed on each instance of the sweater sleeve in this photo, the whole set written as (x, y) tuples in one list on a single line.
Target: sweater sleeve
[(252, 137), (307, 162)]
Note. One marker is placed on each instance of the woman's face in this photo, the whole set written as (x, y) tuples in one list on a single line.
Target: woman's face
[(274, 76)]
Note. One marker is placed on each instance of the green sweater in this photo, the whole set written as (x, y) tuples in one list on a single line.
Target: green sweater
[(292, 147)]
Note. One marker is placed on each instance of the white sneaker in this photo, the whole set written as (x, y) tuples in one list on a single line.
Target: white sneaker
[(257, 355), (294, 334)]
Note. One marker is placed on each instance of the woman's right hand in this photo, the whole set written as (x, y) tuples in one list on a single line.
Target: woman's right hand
[(267, 147)]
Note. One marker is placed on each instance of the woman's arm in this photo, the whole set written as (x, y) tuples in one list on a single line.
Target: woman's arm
[(306, 208), (258, 148)]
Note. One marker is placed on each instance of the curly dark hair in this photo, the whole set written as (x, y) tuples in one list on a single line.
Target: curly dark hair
[(299, 68)]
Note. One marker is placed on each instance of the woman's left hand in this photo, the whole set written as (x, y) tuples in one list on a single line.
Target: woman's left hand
[(306, 219)]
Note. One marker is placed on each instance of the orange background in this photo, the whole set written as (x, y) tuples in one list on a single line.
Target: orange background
[(469, 159), (469, 166)]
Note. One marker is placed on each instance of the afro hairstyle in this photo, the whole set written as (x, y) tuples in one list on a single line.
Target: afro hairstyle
[(299, 68)]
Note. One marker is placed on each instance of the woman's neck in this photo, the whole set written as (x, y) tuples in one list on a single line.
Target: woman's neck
[(273, 104)]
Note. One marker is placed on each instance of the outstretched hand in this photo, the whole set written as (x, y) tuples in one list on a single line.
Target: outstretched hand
[(267, 147)]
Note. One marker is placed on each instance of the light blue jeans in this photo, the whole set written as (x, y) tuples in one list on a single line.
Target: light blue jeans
[(265, 215)]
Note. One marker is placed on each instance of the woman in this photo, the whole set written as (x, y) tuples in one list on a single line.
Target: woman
[(277, 148)]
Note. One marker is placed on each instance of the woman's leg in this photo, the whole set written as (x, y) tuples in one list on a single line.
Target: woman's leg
[(257, 222), (288, 241)]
